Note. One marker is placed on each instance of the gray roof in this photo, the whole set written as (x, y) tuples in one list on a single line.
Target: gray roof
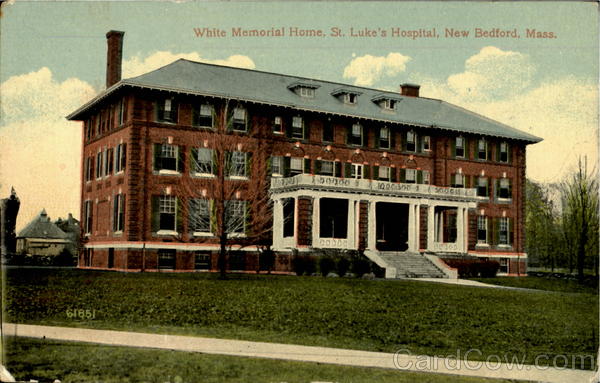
[(42, 227), (270, 88)]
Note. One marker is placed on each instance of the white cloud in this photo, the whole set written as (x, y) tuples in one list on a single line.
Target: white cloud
[(493, 73), (562, 111), (137, 65), (40, 149), (367, 69)]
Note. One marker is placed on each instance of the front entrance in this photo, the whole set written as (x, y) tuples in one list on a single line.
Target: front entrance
[(392, 226)]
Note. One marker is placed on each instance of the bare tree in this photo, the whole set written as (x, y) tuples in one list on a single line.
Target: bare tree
[(231, 162), (580, 215)]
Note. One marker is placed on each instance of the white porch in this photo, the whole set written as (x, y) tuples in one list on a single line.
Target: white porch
[(445, 207)]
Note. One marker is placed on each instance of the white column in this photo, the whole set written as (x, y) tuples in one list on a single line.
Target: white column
[(372, 228), (430, 226), (315, 221), (417, 227), (466, 230), (460, 228), (277, 224), (350, 225), (440, 227), (411, 227)]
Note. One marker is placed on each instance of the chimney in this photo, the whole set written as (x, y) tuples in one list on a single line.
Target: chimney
[(410, 90), (114, 40)]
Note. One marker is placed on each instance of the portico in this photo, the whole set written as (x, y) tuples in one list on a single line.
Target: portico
[(373, 215)]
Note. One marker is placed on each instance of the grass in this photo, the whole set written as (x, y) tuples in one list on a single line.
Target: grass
[(425, 318), (543, 283), (79, 362)]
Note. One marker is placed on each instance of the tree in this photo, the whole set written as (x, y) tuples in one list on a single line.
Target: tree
[(543, 237), (580, 216), (237, 186)]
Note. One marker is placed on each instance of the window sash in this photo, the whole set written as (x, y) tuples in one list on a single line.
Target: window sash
[(482, 229), (277, 125), (411, 176), (297, 127), (296, 165), (200, 215), (384, 173), (426, 143), (236, 216), (356, 171), (238, 164), (459, 180), (204, 161), (327, 168), (277, 165)]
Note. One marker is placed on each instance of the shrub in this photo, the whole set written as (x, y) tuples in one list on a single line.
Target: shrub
[(360, 265), (473, 268), (342, 266), (304, 264), (266, 260), (326, 265)]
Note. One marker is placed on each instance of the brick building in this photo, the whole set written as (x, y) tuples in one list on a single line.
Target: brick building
[(390, 173)]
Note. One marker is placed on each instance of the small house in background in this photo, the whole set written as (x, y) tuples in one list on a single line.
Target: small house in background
[(42, 237), (72, 229)]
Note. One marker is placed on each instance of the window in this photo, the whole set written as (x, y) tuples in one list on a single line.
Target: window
[(503, 266), (411, 141), (203, 116), (327, 131), (89, 168), (426, 143), (277, 125), (99, 165), (166, 259), (237, 166), (384, 137), (306, 92), (167, 211), (356, 135), (482, 187), (288, 217), (239, 119), (458, 180), (118, 213), (350, 98), (121, 112), (426, 179), (296, 166), (388, 104), (199, 217), (327, 168), (166, 158), (202, 260), (202, 161), (109, 161), (482, 149), (356, 171), (385, 173), (333, 218), (235, 213), (166, 110), (120, 157), (460, 147), (297, 127), (411, 176), (277, 166), (87, 216), (504, 191), (482, 229), (503, 152), (503, 231)]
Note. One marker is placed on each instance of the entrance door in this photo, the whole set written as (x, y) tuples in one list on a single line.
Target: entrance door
[(392, 226)]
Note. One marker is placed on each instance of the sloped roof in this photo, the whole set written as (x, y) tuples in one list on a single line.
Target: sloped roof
[(270, 88), (42, 227)]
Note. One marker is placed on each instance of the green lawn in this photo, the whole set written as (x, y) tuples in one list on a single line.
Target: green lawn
[(425, 318), (542, 283), (79, 362)]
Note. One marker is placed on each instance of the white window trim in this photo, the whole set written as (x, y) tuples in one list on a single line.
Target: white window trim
[(428, 140), (167, 232)]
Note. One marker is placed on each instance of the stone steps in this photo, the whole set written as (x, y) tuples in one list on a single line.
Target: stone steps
[(407, 265)]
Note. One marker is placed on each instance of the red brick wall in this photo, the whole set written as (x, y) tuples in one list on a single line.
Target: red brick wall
[(305, 208), (139, 183), (363, 225)]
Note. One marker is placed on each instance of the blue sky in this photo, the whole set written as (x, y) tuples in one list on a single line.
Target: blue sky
[(53, 60)]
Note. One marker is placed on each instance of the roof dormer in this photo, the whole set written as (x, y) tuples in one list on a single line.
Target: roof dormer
[(386, 102), (303, 89), (347, 96)]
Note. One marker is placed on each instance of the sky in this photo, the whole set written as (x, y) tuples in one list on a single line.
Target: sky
[(53, 59)]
